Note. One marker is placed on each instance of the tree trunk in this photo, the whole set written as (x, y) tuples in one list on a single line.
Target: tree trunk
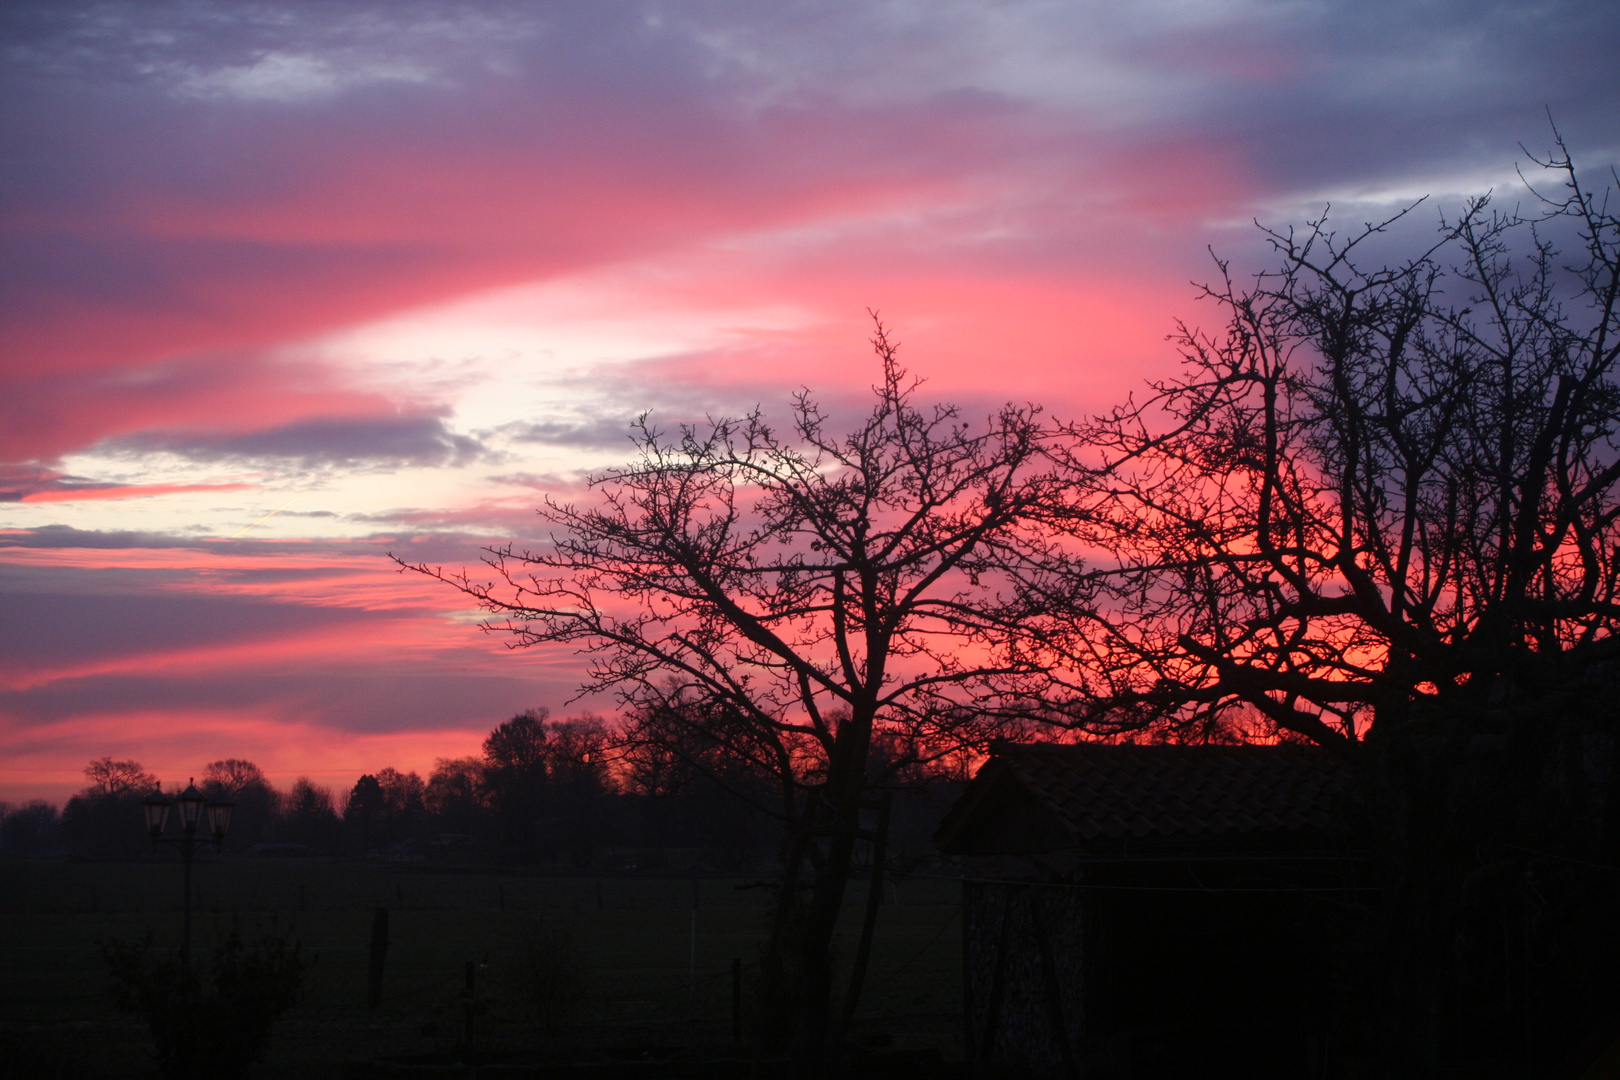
[(815, 946), (874, 899), (803, 998)]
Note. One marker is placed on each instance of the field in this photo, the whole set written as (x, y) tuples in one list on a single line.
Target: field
[(621, 948)]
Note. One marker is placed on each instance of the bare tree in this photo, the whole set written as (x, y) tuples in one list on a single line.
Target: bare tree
[(116, 779), (793, 596), (1380, 509), (105, 817), (232, 777)]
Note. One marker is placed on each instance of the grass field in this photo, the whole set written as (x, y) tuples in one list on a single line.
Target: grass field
[(631, 972)]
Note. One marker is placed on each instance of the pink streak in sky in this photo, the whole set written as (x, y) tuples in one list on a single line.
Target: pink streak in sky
[(127, 491)]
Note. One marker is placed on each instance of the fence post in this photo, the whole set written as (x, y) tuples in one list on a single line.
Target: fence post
[(471, 1008), (691, 993), (379, 953)]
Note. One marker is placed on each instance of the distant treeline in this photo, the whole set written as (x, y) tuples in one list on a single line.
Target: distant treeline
[(557, 792)]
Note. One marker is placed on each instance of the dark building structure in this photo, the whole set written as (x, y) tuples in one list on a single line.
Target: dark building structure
[(1152, 911)]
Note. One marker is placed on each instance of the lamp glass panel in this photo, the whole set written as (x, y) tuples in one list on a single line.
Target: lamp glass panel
[(157, 814), (191, 803), (219, 817)]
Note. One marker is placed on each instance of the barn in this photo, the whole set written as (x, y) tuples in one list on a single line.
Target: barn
[(1133, 911)]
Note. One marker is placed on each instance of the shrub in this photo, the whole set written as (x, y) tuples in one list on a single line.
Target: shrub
[(211, 1023)]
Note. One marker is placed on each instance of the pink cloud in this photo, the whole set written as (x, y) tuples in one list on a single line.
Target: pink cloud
[(311, 661), (126, 491), (367, 220)]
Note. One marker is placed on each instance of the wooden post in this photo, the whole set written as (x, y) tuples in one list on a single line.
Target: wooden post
[(500, 892), (185, 934), (968, 923), (736, 999), (472, 978), (379, 953), (691, 993)]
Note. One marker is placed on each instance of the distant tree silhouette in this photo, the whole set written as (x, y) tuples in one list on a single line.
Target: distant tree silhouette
[(548, 782), (515, 772), (1381, 510), (765, 583), (404, 802), (365, 815), (34, 828), (385, 808), (579, 784), (258, 803), (232, 776), (458, 796), (105, 818), (109, 778), (308, 816), (698, 788)]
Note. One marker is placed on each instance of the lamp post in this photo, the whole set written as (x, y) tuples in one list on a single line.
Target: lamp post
[(193, 806)]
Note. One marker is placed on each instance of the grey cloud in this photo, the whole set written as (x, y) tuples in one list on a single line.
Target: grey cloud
[(360, 442), (454, 540), (65, 536), (613, 398), (554, 482), (376, 699), (608, 432), (1365, 81), (43, 627), (77, 623), (288, 51)]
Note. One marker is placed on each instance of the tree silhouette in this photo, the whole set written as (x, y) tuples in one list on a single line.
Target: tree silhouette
[(458, 794), (365, 815), (515, 773), (233, 776), (1381, 511), (308, 816), (116, 779), (105, 817), (258, 804), (793, 596)]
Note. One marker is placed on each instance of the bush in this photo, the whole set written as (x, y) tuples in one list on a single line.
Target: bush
[(211, 1026)]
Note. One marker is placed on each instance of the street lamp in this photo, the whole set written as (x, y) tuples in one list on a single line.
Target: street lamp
[(192, 805)]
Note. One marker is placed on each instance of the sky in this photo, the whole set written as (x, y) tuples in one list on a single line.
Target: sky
[(285, 287)]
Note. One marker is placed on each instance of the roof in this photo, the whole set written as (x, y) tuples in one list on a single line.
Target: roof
[(1091, 794)]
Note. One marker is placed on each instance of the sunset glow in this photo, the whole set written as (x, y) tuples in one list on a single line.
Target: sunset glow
[(288, 287)]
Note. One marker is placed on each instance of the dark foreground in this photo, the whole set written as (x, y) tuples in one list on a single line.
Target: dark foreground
[(574, 975)]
